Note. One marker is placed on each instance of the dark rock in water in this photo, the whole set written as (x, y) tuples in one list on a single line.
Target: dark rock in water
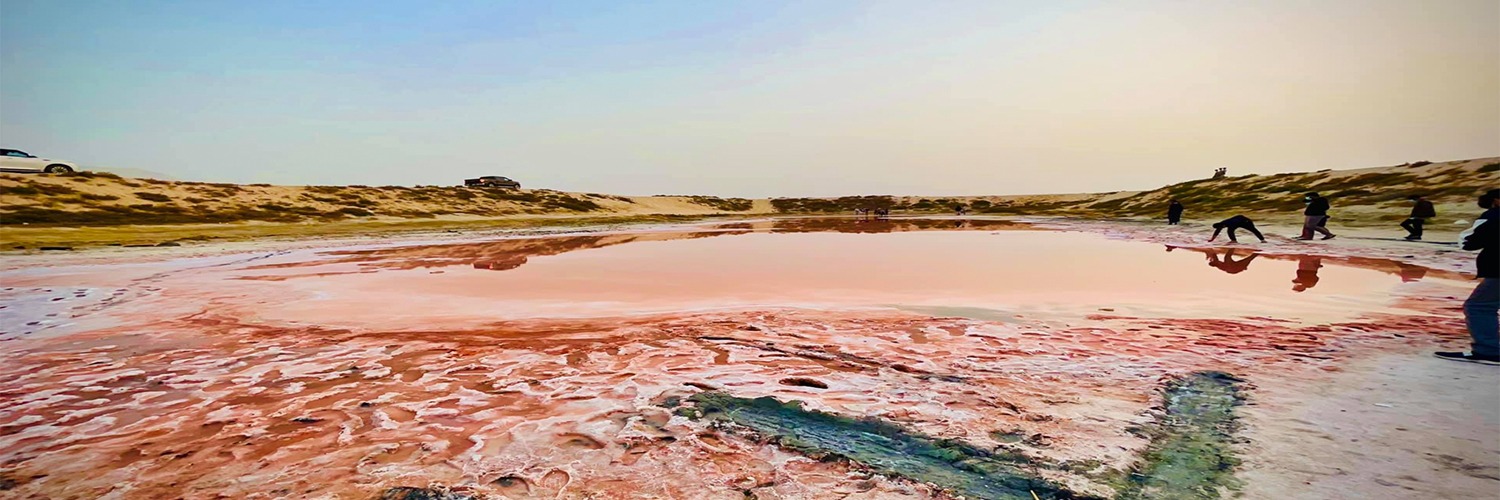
[(410, 493), (883, 447), (804, 382), (55, 248)]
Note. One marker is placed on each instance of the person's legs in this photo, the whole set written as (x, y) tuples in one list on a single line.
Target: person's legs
[(1319, 225), (1251, 227), (1417, 227), (1480, 312), (1309, 222), (1411, 229)]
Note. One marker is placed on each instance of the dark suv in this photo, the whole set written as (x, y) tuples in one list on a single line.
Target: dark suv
[(493, 181)]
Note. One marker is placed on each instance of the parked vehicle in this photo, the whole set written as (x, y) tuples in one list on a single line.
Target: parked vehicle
[(12, 160), (493, 181)]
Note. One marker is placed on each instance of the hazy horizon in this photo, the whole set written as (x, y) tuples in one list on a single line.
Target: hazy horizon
[(750, 99)]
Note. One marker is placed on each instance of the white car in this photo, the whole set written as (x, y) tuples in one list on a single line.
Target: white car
[(12, 160)]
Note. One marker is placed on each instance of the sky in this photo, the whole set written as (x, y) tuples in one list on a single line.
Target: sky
[(755, 98)]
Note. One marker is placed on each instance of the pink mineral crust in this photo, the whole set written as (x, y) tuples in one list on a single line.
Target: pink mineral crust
[(542, 366)]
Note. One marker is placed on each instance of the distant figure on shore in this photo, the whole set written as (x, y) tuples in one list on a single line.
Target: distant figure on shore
[(958, 210), (1174, 212), (1221, 172), (1229, 265), (1233, 223), (1315, 217), (1307, 272), (1420, 212), (1482, 310)]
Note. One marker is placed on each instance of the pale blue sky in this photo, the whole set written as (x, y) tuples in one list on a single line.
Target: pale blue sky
[(749, 98)]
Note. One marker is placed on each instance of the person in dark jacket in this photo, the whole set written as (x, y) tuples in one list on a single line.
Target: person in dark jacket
[(1420, 212), (1315, 217), (1233, 223), (1174, 213), (1482, 310)]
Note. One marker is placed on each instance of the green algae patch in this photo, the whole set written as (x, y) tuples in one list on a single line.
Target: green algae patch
[(411, 493), (883, 447), (1191, 453)]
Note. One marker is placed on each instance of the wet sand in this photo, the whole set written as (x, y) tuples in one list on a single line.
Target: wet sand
[(548, 366)]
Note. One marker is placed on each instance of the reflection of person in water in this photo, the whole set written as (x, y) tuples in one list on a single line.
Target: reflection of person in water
[(1307, 272), (1228, 264), (1410, 273)]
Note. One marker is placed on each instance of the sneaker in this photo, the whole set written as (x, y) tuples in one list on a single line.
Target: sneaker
[(1469, 357), (1304, 239), (1413, 238), (1329, 237)]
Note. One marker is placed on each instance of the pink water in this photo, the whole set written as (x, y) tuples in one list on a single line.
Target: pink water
[(983, 274)]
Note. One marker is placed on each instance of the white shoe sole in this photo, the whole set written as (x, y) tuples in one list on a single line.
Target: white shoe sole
[(1470, 360)]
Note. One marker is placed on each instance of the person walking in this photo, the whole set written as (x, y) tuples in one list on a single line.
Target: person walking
[(1315, 217), (1233, 223), (1420, 212), (1482, 310), (1174, 212)]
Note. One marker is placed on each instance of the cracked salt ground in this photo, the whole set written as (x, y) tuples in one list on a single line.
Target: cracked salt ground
[(551, 366)]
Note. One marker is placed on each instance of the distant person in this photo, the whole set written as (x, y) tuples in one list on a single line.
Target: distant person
[(1482, 310), (1420, 212), (958, 210), (1174, 213), (1307, 272), (1228, 264), (1233, 223), (1315, 217)]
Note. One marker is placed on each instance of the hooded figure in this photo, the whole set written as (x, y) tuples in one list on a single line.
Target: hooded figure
[(1315, 217)]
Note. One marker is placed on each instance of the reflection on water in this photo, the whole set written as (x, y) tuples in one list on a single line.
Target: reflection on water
[(1228, 263), (1307, 272), (910, 264), (507, 254)]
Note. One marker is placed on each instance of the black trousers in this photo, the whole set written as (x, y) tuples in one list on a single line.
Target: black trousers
[(1413, 226), (1250, 226)]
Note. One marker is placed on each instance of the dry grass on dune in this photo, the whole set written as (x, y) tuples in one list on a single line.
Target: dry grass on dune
[(99, 199), (101, 208)]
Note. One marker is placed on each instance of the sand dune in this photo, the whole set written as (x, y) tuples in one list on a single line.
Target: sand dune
[(54, 208)]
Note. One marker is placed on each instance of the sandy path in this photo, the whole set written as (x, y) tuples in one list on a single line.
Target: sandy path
[(1394, 425)]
